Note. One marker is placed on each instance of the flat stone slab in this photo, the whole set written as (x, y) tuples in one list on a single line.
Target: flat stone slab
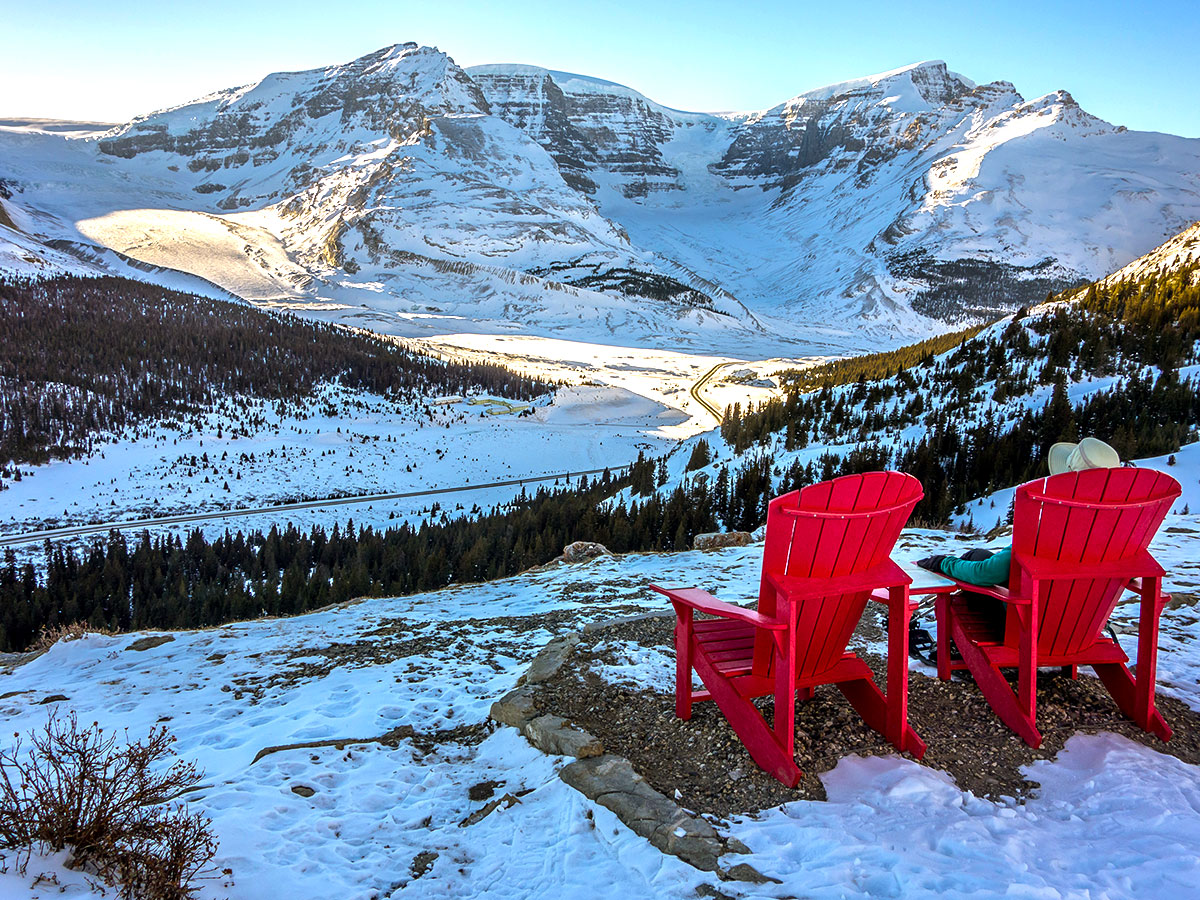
[(553, 734), (551, 658), (612, 782)]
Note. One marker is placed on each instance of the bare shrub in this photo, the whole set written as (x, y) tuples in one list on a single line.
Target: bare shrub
[(110, 803), (69, 631)]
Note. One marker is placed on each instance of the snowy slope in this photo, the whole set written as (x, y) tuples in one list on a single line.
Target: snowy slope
[(1180, 250), (1111, 818)]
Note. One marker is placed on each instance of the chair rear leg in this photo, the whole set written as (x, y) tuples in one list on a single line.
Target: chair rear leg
[(943, 614), (1124, 689), (749, 725), (868, 701)]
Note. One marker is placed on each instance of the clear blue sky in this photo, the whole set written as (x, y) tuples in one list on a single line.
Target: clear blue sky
[(1132, 63)]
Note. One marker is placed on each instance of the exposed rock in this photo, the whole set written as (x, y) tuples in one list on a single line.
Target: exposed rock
[(515, 708), (611, 781), (422, 863), (303, 790), (507, 801), (53, 698), (718, 540), (148, 643), (582, 551), (553, 734), (747, 872), (549, 660)]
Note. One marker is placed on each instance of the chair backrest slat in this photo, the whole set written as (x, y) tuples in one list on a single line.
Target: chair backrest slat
[(1096, 516), (834, 528)]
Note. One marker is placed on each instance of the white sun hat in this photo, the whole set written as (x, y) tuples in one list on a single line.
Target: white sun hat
[(1090, 453)]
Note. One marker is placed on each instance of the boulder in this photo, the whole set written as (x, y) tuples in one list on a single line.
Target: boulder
[(582, 551), (718, 540)]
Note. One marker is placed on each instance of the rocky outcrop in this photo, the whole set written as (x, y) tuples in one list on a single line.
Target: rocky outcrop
[(718, 540), (589, 124), (582, 551)]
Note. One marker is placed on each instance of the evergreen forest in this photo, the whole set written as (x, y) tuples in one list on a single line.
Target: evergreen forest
[(87, 357), (966, 417)]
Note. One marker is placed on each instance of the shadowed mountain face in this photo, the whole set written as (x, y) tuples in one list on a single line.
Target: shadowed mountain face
[(526, 194)]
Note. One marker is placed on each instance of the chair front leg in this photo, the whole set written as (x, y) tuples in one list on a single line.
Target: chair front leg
[(785, 686), (1027, 676), (900, 610), (683, 661), (1147, 657)]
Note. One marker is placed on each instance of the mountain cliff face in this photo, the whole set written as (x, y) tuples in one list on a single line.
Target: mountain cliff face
[(913, 189), (512, 194)]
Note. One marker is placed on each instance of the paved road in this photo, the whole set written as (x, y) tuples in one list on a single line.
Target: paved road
[(105, 527), (699, 385)]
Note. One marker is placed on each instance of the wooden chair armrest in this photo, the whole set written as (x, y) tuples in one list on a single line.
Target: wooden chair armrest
[(1135, 585), (1142, 565), (703, 601), (795, 587), (997, 591)]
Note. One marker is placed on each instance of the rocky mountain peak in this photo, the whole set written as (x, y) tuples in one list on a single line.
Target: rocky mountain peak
[(588, 122)]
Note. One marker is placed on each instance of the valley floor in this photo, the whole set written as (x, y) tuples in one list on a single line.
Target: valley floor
[(340, 443), (1111, 818)]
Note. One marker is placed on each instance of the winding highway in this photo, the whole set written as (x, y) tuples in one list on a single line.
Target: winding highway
[(104, 527), (696, 389)]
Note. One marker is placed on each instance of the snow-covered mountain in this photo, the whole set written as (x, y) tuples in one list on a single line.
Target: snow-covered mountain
[(404, 193), (910, 188)]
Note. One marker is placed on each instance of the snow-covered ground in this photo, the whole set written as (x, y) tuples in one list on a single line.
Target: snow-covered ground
[(1112, 819), (615, 403), (246, 454)]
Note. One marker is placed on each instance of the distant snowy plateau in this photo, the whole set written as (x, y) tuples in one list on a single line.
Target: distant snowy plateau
[(402, 193)]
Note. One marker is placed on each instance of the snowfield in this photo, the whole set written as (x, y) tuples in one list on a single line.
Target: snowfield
[(340, 443), (1111, 819), (614, 403)]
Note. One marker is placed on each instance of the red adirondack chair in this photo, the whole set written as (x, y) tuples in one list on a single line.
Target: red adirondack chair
[(827, 552), (1079, 540)]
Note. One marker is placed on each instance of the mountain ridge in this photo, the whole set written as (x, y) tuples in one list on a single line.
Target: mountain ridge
[(880, 204)]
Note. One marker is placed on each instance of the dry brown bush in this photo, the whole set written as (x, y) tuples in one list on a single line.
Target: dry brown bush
[(70, 631), (110, 803)]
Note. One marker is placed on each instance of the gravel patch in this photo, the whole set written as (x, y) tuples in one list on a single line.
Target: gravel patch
[(703, 764)]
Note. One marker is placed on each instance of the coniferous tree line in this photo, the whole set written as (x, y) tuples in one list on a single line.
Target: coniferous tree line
[(1138, 333), (84, 356), (139, 582), (932, 418)]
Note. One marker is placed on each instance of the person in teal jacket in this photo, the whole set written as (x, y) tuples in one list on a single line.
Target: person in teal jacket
[(987, 569), (980, 567)]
